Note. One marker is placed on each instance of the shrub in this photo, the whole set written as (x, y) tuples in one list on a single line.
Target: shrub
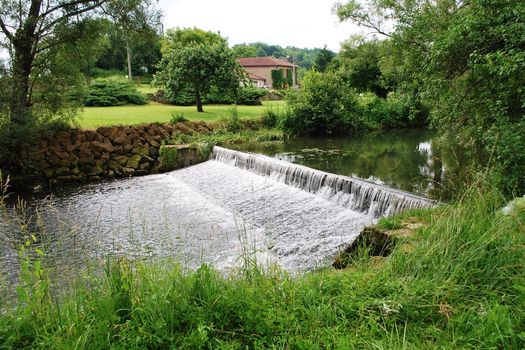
[(270, 118), (177, 118), (248, 95), (168, 156), (112, 93), (324, 105), (234, 123)]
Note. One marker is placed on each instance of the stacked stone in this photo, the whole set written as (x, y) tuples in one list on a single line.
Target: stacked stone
[(108, 152)]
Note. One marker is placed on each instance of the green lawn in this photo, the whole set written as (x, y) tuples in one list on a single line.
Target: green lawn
[(146, 89), (93, 117)]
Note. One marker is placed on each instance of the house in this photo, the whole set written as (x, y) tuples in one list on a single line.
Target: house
[(263, 71)]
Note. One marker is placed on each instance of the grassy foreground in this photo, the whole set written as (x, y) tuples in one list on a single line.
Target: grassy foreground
[(93, 117), (456, 283)]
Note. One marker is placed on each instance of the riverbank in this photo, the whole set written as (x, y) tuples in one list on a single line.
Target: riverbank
[(455, 281)]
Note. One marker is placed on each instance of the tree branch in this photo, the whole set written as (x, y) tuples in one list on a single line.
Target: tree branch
[(6, 31), (50, 25), (72, 3)]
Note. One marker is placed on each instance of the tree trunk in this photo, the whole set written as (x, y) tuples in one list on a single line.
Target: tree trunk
[(22, 62), (198, 100), (128, 52)]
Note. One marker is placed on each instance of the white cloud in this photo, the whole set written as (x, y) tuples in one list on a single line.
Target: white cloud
[(297, 23)]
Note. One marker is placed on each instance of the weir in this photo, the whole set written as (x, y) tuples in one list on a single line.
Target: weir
[(359, 195), (213, 212)]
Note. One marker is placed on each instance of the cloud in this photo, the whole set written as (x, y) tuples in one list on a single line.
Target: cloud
[(297, 23)]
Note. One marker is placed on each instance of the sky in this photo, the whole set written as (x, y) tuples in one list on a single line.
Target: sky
[(299, 23)]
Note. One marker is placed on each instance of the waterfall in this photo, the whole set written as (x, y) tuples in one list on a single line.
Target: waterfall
[(355, 194), (233, 204)]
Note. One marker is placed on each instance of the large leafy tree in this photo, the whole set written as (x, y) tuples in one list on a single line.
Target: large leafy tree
[(243, 50), (181, 37), (199, 67), (467, 60), (144, 51), (323, 59), (29, 30), (360, 63), (49, 42), (135, 21)]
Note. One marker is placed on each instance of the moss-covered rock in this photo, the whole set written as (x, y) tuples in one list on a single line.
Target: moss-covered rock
[(134, 161)]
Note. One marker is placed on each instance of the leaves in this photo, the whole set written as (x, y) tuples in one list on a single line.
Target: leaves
[(199, 66)]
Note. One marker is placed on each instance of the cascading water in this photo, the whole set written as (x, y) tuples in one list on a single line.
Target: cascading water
[(354, 194), (214, 212)]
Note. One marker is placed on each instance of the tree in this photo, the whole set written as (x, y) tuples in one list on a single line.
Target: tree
[(199, 67), (466, 59), (30, 30), (244, 50), (323, 59), (134, 19), (145, 51), (180, 37), (360, 64), (325, 104)]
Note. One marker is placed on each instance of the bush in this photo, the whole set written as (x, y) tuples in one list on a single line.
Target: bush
[(248, 95), (112, 93), (177, 118), (270, 118), (396, 111), (324, 105), (234, 123)]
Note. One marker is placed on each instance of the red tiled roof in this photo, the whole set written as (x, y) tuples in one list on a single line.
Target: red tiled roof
[(263, 62), (255, 77)]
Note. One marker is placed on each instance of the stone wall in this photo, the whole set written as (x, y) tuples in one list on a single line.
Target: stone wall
[(108, 152)]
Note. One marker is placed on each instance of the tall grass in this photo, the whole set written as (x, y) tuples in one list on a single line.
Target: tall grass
[(456, 283)]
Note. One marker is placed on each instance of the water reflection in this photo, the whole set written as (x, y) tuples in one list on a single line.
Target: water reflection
[(406, 159)]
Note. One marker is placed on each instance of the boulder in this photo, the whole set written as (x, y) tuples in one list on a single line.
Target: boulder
[(127, 171), (121, 140), (62, 171), (113, 165), (122, 160), (59, 153), (53, 160), (90, 135), (90, 160), (49, 173), (134, 162), (97, 146), (144, 166), (95, 171), (75, 171), (154, 143), (43, 165), (64, 163)]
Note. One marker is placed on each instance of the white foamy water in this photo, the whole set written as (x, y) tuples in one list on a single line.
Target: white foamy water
[(233, 205)]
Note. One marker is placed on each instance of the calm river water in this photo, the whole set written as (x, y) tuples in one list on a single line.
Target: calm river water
[(405, 159)]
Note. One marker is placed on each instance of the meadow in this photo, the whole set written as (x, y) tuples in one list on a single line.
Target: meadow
[(93, 117)]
